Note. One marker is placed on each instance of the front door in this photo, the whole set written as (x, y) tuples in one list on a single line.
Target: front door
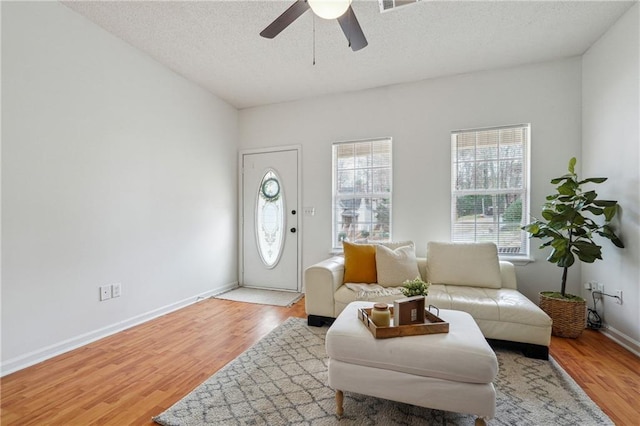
[(270, 235)]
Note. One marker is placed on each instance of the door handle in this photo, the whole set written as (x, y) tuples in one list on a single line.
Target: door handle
[(293, 230)]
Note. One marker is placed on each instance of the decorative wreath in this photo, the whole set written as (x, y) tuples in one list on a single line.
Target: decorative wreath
[(270, 189)]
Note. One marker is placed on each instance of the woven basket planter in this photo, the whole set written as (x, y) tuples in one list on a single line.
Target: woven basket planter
[(569, 316)]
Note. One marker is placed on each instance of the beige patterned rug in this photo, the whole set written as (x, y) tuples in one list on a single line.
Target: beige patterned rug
[(261, 297), (281, 380)]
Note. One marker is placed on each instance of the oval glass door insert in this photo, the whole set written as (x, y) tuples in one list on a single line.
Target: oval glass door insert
[(270, 219)]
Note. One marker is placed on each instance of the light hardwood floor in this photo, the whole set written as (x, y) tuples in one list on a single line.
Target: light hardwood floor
[(127, 378)]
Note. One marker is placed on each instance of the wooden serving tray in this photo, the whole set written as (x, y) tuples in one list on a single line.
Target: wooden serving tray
[(432, 325)]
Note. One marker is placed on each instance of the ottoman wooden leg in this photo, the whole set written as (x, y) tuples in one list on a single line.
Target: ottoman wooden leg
[(339, 399), (480, 422)]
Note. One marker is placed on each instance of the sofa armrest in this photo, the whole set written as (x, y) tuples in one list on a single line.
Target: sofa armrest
[(321, 281), (508, 275)]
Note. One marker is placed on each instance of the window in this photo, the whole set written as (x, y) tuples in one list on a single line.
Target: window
[(361, 191), (490, 187)]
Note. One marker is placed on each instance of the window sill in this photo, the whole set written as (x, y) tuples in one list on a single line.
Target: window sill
[(517, 260)]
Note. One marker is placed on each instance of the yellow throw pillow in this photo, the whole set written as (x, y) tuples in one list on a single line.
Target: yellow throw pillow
[(359, 263)]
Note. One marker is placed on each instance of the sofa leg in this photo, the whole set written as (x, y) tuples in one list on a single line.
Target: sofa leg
[(339, 403), (535, 351), (319, 321), (528, 349)]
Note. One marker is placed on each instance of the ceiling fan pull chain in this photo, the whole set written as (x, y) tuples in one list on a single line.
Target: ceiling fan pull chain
[(350, 26), (314, 39)]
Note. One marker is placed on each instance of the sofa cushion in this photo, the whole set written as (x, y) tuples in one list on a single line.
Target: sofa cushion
[(394, 267), (502, 304), (359, 263), (468, 264)]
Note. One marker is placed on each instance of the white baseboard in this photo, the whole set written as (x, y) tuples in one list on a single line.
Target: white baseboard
[(622, 339), (32, 358)]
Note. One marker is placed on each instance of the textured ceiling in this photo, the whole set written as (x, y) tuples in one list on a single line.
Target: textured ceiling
[(216, 43)]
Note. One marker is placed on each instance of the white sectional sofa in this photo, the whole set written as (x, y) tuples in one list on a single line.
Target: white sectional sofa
[(465, 277)]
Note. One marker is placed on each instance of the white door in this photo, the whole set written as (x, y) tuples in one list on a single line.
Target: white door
[(270, 220)]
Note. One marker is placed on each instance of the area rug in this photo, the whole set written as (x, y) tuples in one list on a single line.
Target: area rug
[(281, 380), (260, 296)]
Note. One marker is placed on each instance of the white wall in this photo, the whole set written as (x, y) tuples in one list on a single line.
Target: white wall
[(611, 148), (420, 116), (114, 169)]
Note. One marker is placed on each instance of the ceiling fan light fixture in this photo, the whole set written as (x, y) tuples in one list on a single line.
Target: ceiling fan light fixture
[(329, 9)]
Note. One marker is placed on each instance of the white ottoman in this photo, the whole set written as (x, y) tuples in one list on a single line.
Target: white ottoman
[(451, 371)]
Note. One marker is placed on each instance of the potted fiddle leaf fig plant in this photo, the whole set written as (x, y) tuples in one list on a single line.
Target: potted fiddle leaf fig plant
[(571, 219)]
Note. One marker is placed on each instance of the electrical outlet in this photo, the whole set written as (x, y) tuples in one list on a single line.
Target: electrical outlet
[(105, 292), (587, 285), (619, 297), (116, 290), (596, 289)]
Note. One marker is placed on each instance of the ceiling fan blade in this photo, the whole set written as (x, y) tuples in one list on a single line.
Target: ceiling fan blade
[(351, 29), (284, 20)]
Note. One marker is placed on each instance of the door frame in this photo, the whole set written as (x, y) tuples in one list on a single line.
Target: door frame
[(241, 154)]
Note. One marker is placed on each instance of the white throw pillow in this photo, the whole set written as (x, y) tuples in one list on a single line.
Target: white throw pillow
[(469, 264), (396, 266), (397, 244)]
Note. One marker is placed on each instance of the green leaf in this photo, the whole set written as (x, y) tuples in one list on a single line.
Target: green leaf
[(557, 180), (578, 220), (617, 242), (610, 212), (554, 256), (607, 232), (587, 251), (566, 260), (595, 210), (572, 165), (558, 223), (560, 246), (593, 180), (605, 203), (581, 233), (567, 188), (551, 233), (590, 196), (548, 214)]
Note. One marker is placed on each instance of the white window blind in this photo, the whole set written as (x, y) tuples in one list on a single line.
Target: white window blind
[(490, 187), (362, 191)]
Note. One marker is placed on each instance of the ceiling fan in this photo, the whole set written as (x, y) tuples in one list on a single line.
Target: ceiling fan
[(327, 9)]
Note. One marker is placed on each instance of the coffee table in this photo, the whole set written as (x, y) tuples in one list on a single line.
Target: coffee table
[(451, 371)]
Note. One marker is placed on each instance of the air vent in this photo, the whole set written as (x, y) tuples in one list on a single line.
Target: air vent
[(508, 250), (386, 5)]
